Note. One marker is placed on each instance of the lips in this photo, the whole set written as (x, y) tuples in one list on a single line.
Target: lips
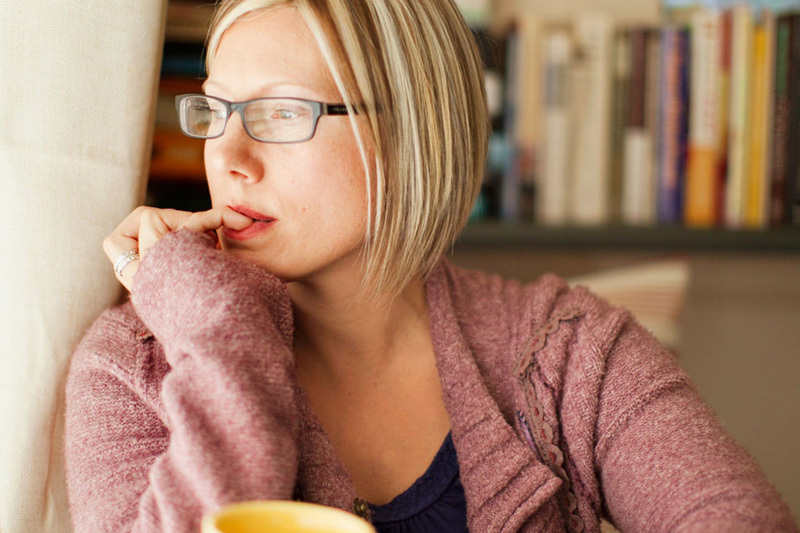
[(261, 223), (251, 213)]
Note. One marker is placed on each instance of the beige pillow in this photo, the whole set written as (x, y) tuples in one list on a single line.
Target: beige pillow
[(655, 292), (77, 93)]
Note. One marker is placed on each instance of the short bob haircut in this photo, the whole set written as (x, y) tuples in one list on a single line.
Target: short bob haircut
[(412, 70)]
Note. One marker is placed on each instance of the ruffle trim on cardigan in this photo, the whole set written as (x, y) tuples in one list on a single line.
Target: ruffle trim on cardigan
[(541, 434)]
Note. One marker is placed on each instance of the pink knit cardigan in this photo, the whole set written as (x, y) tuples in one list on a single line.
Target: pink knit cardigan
[(562, 409)]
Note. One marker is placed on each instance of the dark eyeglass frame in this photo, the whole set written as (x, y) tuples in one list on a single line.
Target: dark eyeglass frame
[(318, 109)]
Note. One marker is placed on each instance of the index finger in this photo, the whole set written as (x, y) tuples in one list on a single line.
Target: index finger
[(216, 218), (131, 226)]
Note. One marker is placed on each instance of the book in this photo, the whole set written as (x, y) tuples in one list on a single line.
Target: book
[(638, 192), (492, 51), (619, 119), (522, 122), (780, 121), (510, 182), (590, 204), (757, 178), (527, 131), (724, 112), (652, 98), (701, 201), (673, 123), (738, 126), (555, 170), (793, 142)]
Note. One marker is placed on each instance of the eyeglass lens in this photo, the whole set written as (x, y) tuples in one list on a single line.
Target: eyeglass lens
[(273, 119)]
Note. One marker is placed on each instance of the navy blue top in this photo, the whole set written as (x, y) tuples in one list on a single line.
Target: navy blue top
[(435, 503)]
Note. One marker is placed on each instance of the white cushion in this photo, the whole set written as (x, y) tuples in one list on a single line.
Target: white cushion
[(77, 90)]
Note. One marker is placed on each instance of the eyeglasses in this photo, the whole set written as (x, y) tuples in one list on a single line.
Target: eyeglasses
[(269, 120)]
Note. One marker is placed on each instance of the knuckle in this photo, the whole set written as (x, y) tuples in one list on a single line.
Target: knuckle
[(192, 220)]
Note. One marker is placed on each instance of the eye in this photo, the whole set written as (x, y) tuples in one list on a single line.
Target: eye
[(283, 113), (213, 110)]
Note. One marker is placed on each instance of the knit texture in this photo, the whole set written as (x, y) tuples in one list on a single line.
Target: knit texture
[(562, 409)]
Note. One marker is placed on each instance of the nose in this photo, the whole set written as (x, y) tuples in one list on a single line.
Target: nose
[(234, 154)]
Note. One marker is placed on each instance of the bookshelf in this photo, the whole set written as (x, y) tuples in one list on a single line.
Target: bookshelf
[(685, 117), (177, 174), (616, 237)]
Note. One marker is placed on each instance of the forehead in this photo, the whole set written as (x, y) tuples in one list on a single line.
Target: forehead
[(267, 50)]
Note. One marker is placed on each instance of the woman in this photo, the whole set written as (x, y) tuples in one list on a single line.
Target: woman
[(305, 339)]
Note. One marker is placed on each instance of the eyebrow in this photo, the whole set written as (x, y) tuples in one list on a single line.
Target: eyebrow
[(267, 87)]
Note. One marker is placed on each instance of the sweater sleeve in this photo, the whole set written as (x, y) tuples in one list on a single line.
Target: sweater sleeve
[(228, 399), (664, 460)]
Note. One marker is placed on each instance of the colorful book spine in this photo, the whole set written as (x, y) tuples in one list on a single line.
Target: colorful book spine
[(738, 142), (757, 199), (638, 200), (780, 121), (652, 99), (724, 112), (673, 124), (793, 148), (701, 206)]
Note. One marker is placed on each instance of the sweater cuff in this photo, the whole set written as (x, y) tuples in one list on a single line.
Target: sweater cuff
[(185, 282)]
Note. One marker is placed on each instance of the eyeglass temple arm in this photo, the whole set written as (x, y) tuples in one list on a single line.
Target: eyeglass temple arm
[(337, 109)]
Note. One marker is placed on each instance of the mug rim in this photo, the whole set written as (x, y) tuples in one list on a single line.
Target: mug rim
[(211, 520)]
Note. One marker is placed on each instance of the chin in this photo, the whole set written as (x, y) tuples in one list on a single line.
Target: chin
[(256, 258), (299, 269)]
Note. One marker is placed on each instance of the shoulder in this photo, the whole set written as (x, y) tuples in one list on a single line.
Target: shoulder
[(564, 333), (487, 302)]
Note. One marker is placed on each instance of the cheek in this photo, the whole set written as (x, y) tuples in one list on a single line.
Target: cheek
[(336, 177), (213, 172), (209, 159)]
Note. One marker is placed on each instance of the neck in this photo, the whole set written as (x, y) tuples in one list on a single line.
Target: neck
[(342, 338)]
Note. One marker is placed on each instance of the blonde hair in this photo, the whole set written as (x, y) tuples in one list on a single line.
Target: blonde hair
[(412, 69)]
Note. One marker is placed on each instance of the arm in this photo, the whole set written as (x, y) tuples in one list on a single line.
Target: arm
[(665, 462), (229, 399)]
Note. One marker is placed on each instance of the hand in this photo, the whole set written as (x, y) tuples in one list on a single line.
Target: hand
[(145, 226)]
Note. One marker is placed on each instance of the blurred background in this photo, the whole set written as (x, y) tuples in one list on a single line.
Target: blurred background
[(650, 150)]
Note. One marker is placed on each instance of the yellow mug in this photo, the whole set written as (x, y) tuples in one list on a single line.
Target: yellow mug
[(282, 517)]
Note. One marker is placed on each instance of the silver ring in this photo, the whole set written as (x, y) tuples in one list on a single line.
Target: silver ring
[(124, 259)]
